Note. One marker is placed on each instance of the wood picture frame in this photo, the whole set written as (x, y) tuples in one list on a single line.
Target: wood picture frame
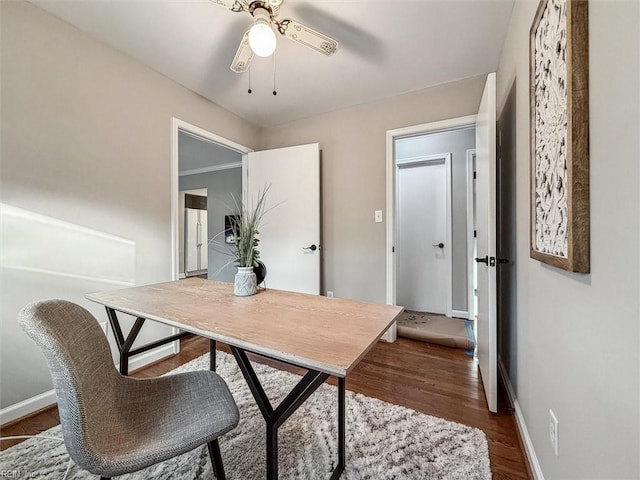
[(559, 139)]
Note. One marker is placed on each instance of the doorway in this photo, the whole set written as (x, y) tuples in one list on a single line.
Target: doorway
[(204, 161), (427, 243)]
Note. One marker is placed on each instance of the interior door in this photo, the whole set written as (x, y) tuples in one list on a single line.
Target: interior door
[(486, 241), (290, 232), (422, 245)]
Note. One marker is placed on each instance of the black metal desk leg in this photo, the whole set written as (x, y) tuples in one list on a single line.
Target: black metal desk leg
[(341, 424), (341, 430), (124, 345), (212, 355), (272, 451), (294, 399)]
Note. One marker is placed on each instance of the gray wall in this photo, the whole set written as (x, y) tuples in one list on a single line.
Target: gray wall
[(220, 185), (457, 143), (577, 334), (86, 151), (353, 176)]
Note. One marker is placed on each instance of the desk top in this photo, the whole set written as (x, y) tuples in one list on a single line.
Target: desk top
[(330, 335)]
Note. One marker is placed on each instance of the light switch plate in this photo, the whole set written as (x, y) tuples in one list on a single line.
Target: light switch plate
[(378, 216)]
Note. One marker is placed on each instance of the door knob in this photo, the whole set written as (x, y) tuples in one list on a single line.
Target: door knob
[(439, 245), (483, 260), (313, 248)]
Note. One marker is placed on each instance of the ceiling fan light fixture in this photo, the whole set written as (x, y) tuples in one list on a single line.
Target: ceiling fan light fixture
[(262, 39)]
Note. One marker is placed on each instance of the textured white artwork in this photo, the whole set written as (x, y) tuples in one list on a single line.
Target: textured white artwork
[(551, 133)]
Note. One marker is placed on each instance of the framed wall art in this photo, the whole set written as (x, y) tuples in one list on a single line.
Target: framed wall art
[(231, 223), (559, 108)]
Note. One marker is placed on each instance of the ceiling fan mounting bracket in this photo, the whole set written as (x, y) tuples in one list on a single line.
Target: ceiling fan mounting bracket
[(254, 8)]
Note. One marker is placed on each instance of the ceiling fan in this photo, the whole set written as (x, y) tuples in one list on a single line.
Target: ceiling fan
[(260, 39)]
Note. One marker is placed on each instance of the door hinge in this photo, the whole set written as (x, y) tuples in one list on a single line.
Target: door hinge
[(475, 234), (475, 175)]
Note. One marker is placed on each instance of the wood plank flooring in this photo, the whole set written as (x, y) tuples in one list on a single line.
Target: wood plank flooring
[(436, 380)]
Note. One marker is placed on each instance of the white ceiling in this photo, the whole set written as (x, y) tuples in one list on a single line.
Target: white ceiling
[(386, 47)]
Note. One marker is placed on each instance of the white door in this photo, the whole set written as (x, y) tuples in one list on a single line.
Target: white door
[(290, 232), (486, 241), (423, 242)]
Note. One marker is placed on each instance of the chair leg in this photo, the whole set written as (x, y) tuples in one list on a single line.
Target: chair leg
[(216, 459)]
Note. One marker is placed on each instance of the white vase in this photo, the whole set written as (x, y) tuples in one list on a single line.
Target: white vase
[(245, 282)]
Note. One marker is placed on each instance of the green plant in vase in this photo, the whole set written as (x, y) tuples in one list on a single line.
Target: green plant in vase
[(245, 250)]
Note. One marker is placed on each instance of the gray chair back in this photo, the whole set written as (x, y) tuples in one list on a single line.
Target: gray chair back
[(83, 372)]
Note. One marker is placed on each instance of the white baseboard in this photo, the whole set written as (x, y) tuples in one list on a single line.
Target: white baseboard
[(522, 426), (25, 407), (151, 356), (460, 314), (46, 399)]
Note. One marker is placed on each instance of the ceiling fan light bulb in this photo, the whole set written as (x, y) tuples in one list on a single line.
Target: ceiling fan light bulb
[(262, 39)]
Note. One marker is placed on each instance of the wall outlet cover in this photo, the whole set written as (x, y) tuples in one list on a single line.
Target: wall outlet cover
[(378, 216)]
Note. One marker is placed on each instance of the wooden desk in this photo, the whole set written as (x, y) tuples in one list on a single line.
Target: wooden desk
[(327, 336)]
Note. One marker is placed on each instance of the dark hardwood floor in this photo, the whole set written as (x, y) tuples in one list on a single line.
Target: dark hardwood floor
[(436, 380)]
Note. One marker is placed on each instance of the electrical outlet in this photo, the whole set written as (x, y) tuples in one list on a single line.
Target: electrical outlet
[(330, 293), (553, 432), (378, 216)]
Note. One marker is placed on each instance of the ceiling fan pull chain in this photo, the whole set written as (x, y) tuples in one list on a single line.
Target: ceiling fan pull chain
[(249, 81), (274, 74)]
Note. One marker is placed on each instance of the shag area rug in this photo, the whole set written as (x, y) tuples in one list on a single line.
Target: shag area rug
[(384, 441), (434, 328)]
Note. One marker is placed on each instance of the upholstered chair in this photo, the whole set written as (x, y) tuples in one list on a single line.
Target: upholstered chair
[(114, 424)]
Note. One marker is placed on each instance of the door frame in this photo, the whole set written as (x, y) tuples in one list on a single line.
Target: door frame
[(471, 225), (391, 235), (428, 160), (178, 125)]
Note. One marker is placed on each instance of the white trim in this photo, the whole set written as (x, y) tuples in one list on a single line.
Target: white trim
[(460, 314), (391, 135), (151, 356), (522, 426), (177, 126), (25, 407), (390, 180), (392, 333), (47, 399), (213, 168), (470, 238), (432, 127)]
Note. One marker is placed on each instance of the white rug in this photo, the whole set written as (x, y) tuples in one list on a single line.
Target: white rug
[(384, 441)]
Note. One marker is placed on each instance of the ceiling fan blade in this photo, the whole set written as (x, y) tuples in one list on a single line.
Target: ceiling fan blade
[(234, 5), (243, 57), (307, 36)]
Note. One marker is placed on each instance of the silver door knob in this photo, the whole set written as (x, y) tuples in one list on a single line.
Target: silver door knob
[(439, 245), (313, 248)]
